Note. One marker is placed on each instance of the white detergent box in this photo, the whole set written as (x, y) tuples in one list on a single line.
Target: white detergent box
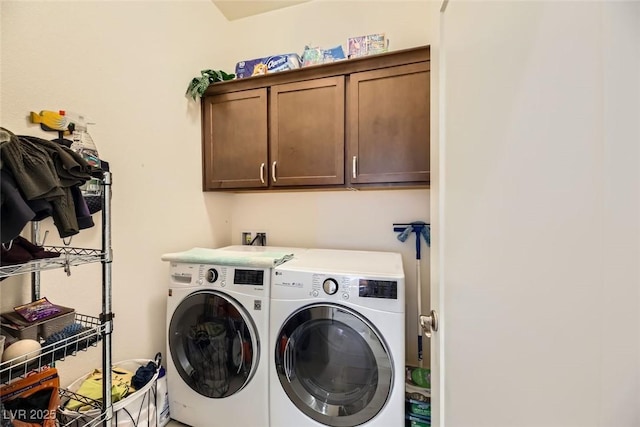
[(267, 65)]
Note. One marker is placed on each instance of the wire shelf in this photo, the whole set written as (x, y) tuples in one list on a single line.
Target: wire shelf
[(64, 420), (65, 393), (88, 336), (69, 257)]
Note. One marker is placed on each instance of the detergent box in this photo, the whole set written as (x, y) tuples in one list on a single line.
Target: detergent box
[(316, 55), (417, 383), (371, 44), (417, 396), (267, 65)]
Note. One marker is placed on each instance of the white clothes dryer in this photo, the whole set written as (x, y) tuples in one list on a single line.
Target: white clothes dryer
[(337, 338)]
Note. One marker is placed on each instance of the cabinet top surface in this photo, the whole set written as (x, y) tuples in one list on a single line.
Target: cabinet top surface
[(347, 66)]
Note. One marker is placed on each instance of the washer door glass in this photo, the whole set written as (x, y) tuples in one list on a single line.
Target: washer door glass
[(333, 365), (213, 343)]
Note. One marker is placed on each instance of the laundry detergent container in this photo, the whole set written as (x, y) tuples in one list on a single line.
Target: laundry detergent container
[(136, 409)]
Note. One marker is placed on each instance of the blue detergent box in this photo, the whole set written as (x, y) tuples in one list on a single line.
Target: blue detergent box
[(267, 65), (316, 55)]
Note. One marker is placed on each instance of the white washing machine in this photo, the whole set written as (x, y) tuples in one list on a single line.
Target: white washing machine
[(337, 337), (217, 331)]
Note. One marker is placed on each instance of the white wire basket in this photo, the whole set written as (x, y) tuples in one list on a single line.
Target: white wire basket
[(138, 409)]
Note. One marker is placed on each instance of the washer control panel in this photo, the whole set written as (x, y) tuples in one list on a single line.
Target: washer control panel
[(252, 281), (211, 275), (330, 286)]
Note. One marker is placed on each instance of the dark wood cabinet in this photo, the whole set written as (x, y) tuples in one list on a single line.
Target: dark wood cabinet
[(235, 137), (388, 125), (307, 132), (358, 123)]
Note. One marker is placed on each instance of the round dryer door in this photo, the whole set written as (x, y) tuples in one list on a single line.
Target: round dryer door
[(333, 365), (213, 343)]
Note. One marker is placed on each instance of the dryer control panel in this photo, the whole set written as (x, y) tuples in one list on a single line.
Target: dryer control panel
[(383, 293)]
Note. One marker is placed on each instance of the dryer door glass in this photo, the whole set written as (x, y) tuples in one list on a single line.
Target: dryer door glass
[(213, 343), (333, 365)]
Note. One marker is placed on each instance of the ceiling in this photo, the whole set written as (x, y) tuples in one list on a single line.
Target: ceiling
[(237, 9)]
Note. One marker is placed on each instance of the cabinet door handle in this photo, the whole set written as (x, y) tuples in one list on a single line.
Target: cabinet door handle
[(273, 171), (353, 167), (262, 173)]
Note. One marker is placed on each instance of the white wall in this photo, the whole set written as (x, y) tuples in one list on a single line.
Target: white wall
[(541, 206), (127, 65)]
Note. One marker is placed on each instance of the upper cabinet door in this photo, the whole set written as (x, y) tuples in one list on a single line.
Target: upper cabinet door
[(235, 140), (388, 125), (307, 133)]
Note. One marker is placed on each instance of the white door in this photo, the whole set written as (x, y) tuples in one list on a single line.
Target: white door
[(537, 201)]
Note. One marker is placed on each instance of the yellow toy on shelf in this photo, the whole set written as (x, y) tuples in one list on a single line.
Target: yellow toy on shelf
[(51, 120)]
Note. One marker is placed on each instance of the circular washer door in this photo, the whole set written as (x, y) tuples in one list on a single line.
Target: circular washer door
[(334, 365), (214, 344)]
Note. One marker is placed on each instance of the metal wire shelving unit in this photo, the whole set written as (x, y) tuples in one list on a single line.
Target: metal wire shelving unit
[(94, 330)]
